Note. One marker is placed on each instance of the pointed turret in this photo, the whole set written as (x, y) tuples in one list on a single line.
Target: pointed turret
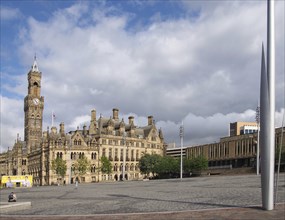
[(161, 134), (35, 67)]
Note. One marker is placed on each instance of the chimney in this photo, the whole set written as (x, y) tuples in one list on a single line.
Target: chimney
[(84, 130), (92, 127), (116, 114), (61, 128), (131, 120), (93, 115), (150, 120)]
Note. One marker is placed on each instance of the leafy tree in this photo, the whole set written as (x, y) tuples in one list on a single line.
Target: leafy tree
[(59, 166), (198, 164), (277, 152), (148, 162), (81, 166), (167, 167), (187, 165), (106, 165)]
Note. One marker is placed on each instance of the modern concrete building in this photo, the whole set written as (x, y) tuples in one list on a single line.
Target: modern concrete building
[(235, 151), (176, 151), (238, 128)]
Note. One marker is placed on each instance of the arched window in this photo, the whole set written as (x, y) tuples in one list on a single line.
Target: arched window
[(93, 169), (116, 167), (95, 156), (137, 167), (72, 168)]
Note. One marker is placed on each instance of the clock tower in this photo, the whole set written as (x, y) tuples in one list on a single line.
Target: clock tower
[(33, 108)]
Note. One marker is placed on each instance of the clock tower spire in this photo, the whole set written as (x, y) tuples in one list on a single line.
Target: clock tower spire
[(33, 108)]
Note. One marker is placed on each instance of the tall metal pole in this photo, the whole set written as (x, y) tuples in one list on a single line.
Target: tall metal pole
[(257, 144), (267, 113), (181, 154), (124, 155), (70, 160)]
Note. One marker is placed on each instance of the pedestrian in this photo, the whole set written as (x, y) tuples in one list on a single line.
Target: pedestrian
[(9, 184), (12, 197), (27, 182)]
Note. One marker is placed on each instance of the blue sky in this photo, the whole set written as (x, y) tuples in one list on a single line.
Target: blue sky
[(15, 15), (196, 61)]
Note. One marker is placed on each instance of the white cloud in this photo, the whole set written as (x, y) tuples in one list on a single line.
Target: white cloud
[(79, 121), (204, 71), (9, 13), (12, 121)]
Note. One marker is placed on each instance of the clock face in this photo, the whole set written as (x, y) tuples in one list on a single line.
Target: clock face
[(36, 101)]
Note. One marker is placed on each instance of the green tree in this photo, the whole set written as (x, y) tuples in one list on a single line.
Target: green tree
[(147, 163), (106, 166), (167, 167), (198, 164), (277, 152), (59, 167), (81, 166), (187, 166)]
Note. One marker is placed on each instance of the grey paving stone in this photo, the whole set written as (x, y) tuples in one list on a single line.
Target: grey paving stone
[(173, 195)]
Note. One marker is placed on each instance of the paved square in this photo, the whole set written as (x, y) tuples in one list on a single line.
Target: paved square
[(143, 196)]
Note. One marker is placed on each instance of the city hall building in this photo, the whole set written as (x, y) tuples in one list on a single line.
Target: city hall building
[(123, 143)]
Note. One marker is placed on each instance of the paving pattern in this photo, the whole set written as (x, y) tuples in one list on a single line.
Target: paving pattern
[(121, 198)]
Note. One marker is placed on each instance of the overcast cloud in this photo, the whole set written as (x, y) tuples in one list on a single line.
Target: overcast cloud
[(202, 68)]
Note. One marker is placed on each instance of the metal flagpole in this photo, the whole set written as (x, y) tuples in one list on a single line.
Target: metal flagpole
[(51, 118), (267, 110), (181, 155)]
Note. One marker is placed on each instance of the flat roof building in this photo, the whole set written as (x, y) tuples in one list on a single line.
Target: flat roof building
[(237, 128)]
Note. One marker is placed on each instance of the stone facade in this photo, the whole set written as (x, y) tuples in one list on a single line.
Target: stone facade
[(123, 143)]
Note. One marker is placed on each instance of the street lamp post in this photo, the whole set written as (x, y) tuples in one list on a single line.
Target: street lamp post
[(181, 155), (70, 163), (124, 156)]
